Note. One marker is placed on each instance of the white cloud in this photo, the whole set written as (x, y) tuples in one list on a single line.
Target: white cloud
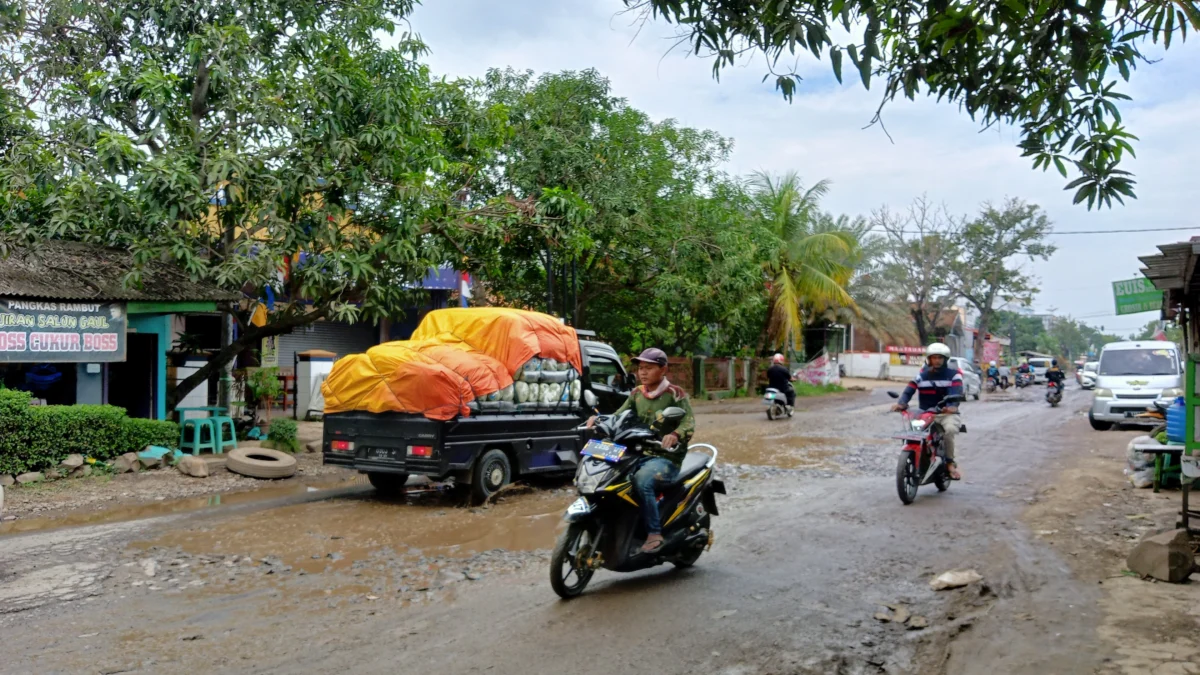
[(936, 150)]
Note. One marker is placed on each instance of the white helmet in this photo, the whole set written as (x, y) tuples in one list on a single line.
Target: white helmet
[(937, 349), (991, 363), (778, 358)]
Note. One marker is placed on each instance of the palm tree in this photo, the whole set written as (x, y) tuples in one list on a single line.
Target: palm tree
[(809, 269), (876, 308)]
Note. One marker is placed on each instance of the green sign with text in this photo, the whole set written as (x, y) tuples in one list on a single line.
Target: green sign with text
[(1136, 296)]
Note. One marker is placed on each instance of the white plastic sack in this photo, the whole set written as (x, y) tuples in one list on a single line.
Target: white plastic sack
[(505, 394), (576, 390), (521, 391), (1142, 479)]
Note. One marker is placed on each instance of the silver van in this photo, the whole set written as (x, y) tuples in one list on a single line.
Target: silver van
[(1130, 377)]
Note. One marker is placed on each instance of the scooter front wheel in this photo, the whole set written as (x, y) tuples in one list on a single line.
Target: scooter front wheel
[(907, 480), (569, 574)]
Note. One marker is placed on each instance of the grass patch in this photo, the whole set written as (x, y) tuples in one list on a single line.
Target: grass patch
[(804, 389)]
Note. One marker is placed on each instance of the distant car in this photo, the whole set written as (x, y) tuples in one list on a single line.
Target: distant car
[(972, 381), (1087, 374), (1039, 366)]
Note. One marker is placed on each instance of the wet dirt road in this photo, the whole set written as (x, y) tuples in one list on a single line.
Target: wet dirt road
[(812, 541)]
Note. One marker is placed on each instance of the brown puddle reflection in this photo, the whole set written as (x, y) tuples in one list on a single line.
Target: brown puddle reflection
[(153, 509), (335, 534)]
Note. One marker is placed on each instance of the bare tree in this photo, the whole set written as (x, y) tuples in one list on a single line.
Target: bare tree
[(923, 242)]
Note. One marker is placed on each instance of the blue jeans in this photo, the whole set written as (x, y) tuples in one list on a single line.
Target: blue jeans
[(650, 475)]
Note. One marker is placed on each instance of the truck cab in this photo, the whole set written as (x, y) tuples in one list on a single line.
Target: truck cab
[(603, 373)]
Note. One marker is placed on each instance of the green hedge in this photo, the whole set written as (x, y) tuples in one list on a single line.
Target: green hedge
[(33, 438)]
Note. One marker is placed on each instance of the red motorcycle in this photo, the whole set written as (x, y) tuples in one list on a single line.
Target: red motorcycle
[(923, 458)]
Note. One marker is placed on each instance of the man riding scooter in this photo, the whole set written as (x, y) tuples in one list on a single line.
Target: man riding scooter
[(780, 379), (1055, 375), (993, 374), (934, 383)]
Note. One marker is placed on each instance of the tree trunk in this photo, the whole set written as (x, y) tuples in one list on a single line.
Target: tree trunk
[(922, 329), (985, 318), (227, 354)]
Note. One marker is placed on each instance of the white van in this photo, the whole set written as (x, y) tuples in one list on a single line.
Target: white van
[(1130, 377), (1039, 366)]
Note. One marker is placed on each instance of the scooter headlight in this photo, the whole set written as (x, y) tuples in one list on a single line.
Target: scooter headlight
[(592, 475), (918, 425)]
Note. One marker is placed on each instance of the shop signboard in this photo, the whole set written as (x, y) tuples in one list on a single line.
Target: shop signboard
[(1134, 296), (47, 331)]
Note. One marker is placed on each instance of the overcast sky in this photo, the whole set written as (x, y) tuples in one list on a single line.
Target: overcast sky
[(935, 149)]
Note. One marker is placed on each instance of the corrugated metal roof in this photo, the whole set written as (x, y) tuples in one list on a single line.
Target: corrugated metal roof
[(1167, 269), (78, 271)]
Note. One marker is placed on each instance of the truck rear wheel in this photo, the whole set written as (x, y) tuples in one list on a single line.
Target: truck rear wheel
[(492, 472), (388, 484)]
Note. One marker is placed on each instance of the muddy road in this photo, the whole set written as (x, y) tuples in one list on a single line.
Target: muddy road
[(811, 544)]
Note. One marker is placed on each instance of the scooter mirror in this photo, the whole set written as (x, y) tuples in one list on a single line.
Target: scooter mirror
[(590, 399), (893, 394)]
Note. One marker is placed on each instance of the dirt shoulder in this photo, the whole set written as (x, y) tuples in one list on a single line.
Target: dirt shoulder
[(1090, 515), (73, 496)]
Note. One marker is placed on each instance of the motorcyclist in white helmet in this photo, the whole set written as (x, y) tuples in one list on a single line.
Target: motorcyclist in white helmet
[(935, 382)]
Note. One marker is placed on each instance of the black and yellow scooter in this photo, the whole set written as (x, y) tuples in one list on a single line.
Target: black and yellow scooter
[(604, 526)]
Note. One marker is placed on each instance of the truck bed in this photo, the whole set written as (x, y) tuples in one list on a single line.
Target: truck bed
[(535, 442)]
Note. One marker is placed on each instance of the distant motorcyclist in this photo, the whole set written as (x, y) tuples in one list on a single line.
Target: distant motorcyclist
[(780, 379), (1005, 373), (993, 373), (934, 383), (1055, 375), (656, 469)]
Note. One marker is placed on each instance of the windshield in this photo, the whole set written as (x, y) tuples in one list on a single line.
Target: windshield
[(1090, 367), (1139, 362)]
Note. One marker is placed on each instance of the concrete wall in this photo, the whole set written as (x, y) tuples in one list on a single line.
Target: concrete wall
[(874, 366)]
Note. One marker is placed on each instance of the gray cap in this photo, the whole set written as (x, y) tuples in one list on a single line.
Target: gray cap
[(653, 355)]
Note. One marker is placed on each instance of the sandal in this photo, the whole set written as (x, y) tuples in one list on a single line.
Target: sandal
[(652, 545)]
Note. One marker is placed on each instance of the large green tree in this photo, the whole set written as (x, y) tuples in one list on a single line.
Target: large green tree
[(922, 243), (988, 269), (1049, 67), (663, 252), (237, 137)]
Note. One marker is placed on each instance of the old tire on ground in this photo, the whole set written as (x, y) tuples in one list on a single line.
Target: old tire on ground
[(492, 472), (388, 483), (1099, 425), (260, 463)]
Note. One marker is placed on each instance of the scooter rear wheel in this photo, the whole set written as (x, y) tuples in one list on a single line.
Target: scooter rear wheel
[(566, 577), (907, 480)]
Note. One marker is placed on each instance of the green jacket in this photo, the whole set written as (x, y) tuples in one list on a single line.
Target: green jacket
[(647, 409)]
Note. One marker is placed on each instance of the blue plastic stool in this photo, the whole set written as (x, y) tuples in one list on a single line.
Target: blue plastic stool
[(226, 433), (198, 425)]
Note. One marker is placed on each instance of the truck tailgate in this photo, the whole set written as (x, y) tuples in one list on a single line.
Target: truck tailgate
[(385, 443)]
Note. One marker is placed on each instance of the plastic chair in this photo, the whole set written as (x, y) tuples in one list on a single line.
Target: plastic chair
[(198, 425)]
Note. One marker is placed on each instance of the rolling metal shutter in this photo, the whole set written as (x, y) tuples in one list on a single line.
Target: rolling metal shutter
[(340, 338)]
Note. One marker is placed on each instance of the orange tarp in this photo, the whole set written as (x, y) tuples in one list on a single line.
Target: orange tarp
[(455, 356), (512, 336)]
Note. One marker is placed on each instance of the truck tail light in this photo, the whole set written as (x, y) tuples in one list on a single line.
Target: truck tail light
[(420, 451), (341, 446)]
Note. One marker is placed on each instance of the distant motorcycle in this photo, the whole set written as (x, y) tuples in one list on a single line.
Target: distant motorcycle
[(991, 385), (1024, 380), (1054, 394)]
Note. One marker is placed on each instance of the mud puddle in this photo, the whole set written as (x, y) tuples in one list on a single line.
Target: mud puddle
[(337, 534), (168, 507)]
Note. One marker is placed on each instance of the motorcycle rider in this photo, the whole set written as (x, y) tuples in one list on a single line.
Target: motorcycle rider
[(1055, 375), (934, 383), (780, 379), (657, 468), (993, 373)]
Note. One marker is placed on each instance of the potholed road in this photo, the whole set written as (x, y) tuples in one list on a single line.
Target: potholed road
[(811, 543)]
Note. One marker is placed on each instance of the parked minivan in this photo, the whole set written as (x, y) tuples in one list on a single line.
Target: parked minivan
[(1131, 375)]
